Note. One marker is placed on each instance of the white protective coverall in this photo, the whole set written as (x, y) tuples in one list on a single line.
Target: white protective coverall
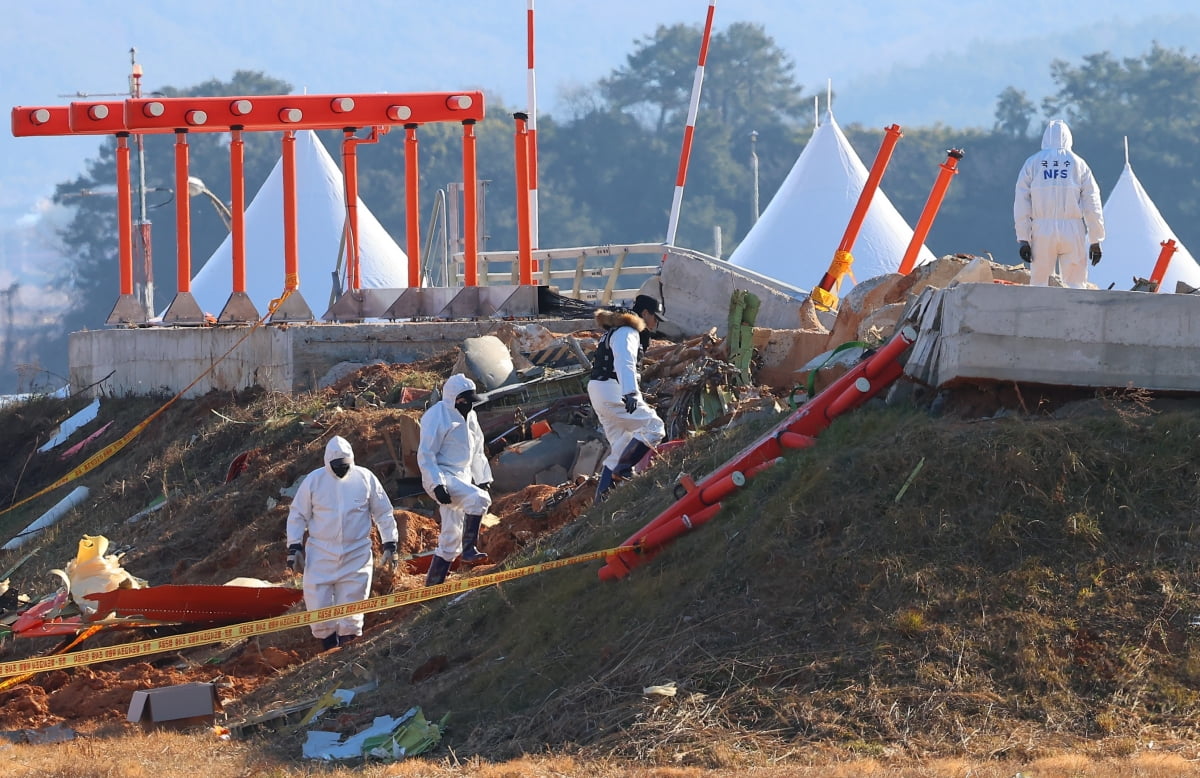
[(451, 453), (621, 427), (337, 515), (1057, 209)]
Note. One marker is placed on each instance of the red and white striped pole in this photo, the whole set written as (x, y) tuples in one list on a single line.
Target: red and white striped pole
[(689, 131), (531, 91)]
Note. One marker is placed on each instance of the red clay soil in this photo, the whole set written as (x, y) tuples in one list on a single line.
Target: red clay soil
[(95, 698)]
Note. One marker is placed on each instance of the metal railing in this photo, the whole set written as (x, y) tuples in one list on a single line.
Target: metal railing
[(599, 274)]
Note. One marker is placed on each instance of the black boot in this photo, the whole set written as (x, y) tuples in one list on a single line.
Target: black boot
[(632, 454), (438, 568), (329, 641), (470, 536), (606, 483)]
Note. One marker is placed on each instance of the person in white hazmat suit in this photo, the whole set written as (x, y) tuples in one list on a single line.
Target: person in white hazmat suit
[(456, 473), (1057, 211), (335, 506), (630, 425)]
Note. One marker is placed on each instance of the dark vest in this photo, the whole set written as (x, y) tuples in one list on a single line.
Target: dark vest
[(603, 360)]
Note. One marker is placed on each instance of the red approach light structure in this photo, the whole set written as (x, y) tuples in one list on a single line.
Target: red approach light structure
[(260, 113), (1164, 261), (946, 171), (700, 502), (823, 295)]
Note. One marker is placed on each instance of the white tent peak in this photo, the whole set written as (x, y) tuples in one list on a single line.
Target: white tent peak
[(795, 239), (1135, 231), (321, 219)]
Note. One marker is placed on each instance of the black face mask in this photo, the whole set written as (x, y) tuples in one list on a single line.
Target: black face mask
[(339, 467), (463, 403)]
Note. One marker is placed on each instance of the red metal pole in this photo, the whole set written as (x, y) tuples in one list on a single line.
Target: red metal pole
[(524, 246), (842, 258), (531, 94), (412, 205), (350, 166), (1164, 259), (947, 170), (291, 232), (183, 223), (124, 215), (237, 230), (470, 205)]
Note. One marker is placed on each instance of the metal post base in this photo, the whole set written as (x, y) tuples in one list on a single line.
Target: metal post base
[(184, 310), (294, 308), (128, 310), (239, 309)]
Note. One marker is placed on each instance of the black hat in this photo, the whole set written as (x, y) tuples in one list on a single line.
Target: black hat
[(644, 302)]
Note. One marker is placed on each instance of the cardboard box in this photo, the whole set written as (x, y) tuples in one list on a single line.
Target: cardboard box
[(184, 705)]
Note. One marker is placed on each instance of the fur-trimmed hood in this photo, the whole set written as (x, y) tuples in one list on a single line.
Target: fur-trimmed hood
[(611, 318)]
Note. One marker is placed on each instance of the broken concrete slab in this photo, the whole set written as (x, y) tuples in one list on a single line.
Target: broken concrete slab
[(1055, 336)]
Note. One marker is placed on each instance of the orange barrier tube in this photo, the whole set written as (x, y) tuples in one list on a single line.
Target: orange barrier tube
[(841, 260), (413, 224), (350, 181), (183, 221), (1164, 260), (470, 206), (291, 232), (124, 215), (237, 229), (878, 371), (947, 170), (524, 245), (668, 531)]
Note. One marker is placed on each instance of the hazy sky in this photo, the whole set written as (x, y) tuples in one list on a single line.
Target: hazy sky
[(50, 50)]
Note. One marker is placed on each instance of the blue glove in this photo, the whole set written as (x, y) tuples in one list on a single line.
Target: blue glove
[(630, 401)]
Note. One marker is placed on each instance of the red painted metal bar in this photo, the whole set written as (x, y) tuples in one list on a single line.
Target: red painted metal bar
[(470, 206), (350, 181), (842, 257), (124, 215), (291, 256), (237, 230), (1164, 260), (843, 395), (183, 217), (412, 208), (300, 112), (524, 245), (947, 170)]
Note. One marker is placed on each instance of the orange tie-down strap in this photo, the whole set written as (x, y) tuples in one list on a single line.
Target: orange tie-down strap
[(288, 621)]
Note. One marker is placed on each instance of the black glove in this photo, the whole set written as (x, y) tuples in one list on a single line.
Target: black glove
[(388, 560), (630, 401), (295, 558), (441, 494), (1094, 253), (1025, 250), (487, 487)]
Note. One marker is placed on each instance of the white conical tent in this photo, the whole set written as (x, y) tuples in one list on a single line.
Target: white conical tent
[(321, 217), (797, 235), (1134, 231)]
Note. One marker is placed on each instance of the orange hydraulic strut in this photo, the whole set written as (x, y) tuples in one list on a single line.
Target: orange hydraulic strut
[(183, 221), (291, 231), (237, 229), (412, 180), (124, 212), (350, 165), (842, 259), (946, 171), (1164, 259), (470, 206), (524, 240)]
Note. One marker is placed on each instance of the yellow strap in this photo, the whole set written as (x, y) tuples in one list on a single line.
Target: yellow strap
[(823, 299), (842, 260), (288, 621)]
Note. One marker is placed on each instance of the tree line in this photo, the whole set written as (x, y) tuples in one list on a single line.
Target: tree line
[(607, 165)]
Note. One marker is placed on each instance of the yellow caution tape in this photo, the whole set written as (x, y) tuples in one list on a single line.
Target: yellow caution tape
[(106, 453), (288, 621)]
